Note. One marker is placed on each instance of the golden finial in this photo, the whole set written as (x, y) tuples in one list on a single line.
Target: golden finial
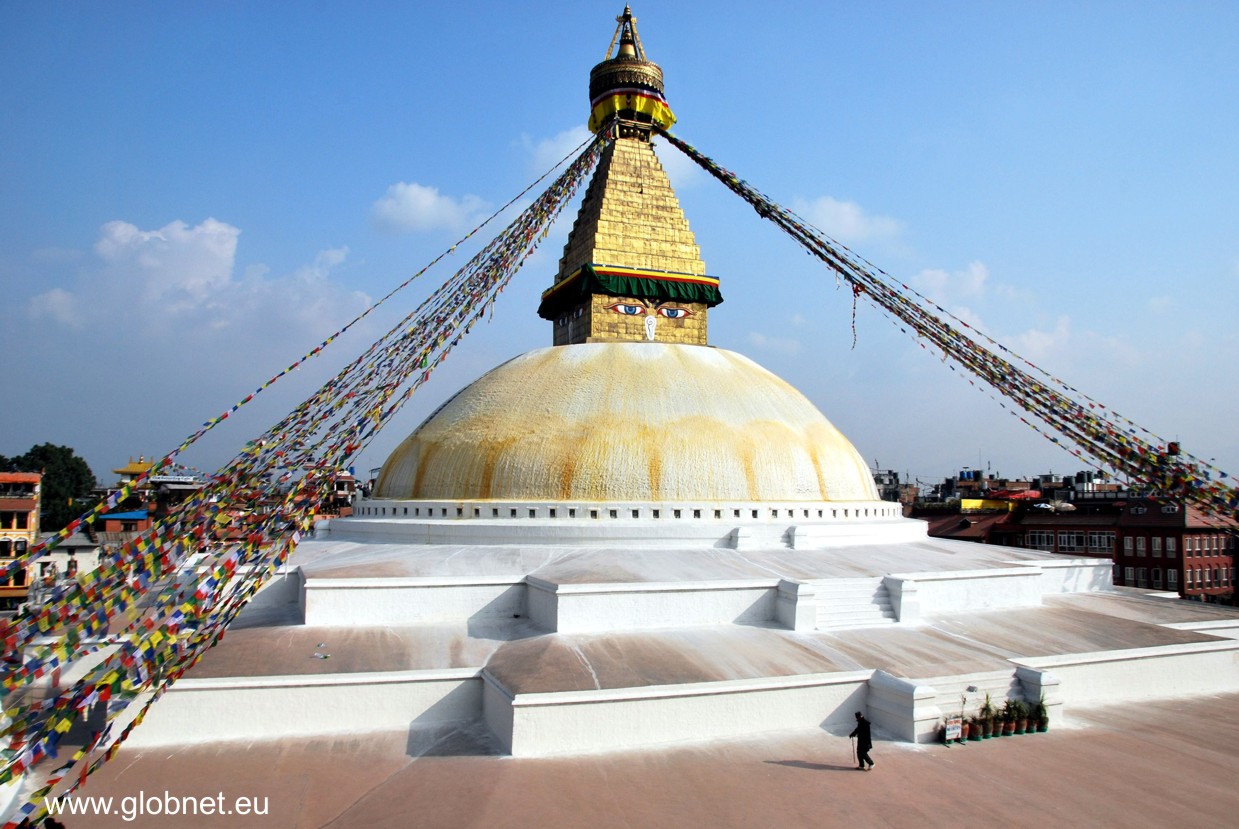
[(628, 86)]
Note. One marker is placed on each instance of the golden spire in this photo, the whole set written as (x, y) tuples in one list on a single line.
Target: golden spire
[(627, 87), (631, 270)]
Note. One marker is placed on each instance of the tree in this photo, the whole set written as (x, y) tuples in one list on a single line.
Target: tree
[(67, 482)]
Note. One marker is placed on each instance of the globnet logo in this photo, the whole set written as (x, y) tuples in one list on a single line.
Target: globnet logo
[(165, 804)]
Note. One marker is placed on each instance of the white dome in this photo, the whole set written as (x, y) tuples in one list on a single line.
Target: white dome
[(635, 422)]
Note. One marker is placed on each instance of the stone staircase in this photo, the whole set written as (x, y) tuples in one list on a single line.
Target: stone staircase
[(853, 603)]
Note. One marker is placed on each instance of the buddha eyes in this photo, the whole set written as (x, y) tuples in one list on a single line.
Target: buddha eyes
[(674, 313), (629, 309)]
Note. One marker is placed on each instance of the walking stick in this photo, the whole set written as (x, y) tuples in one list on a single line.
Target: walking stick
[(853, 740)]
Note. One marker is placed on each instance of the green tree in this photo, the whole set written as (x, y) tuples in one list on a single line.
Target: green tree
[(67, 482)]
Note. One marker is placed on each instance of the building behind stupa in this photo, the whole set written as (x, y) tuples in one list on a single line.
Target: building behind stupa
[(631, 538)]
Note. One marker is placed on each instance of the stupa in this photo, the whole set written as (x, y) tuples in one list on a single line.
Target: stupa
[(632, 538)]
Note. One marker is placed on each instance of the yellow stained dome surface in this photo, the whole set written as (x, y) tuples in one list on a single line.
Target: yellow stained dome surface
[(627, 422)]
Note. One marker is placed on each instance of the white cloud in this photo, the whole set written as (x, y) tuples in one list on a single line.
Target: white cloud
[(681, 170), (322, 265), (1161, 304), (778, 345), (172, 314), (58, 305), (847, 221), (945, 287), (409, 206), (180, 279), (1072, 353), (176, 266), (548, 152), (1036, 345)]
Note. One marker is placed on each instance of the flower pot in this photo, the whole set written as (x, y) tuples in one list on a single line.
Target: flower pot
[(1008, 728)]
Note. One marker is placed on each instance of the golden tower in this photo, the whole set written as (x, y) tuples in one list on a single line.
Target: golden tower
[(631, 270)]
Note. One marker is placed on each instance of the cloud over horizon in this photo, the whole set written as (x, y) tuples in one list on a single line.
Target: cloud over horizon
[(182, 278), (411, 207), (847, 221)]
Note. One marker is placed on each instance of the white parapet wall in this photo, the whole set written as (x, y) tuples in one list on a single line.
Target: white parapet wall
[(593, 608), (259, 708), (1074, 575), (410, 601), (965, 591), (903, 708), (539, 725), (803, 524), (891, 530), (1179, 671)]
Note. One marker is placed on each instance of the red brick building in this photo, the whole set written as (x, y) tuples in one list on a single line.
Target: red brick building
[(1156, 544), (1164, 545)]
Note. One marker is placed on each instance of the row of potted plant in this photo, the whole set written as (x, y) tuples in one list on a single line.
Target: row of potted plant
[(1015, 716)]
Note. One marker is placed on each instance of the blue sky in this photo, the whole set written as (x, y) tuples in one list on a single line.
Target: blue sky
[(193, 195)]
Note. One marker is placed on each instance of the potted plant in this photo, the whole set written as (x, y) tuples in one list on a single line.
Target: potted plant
[(988, 714), (1041, 715), (1019, 710), (1008, 718), (976, 729)]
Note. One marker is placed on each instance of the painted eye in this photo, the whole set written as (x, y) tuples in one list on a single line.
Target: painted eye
[(627, 309), (674, 313)]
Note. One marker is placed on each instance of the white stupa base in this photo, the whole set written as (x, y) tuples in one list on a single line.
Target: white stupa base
[(562, 649)]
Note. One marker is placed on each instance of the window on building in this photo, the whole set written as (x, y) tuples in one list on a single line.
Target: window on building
[(1172, 579), (1140, 543), (1040, 540), (1138, 510), (1070, 541), (1142, 577), (1170, 508), (1127, 545), (1129, 575), (1157, 546), (1101, 542), (1157, 577), (1170, 547)]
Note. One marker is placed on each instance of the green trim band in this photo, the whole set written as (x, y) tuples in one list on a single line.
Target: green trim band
[(614, 280)]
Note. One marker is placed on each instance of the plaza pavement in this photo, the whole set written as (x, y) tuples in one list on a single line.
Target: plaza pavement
[(1152, 764)]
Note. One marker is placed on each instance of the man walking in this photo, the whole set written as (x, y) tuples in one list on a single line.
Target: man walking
[(864, 741)]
